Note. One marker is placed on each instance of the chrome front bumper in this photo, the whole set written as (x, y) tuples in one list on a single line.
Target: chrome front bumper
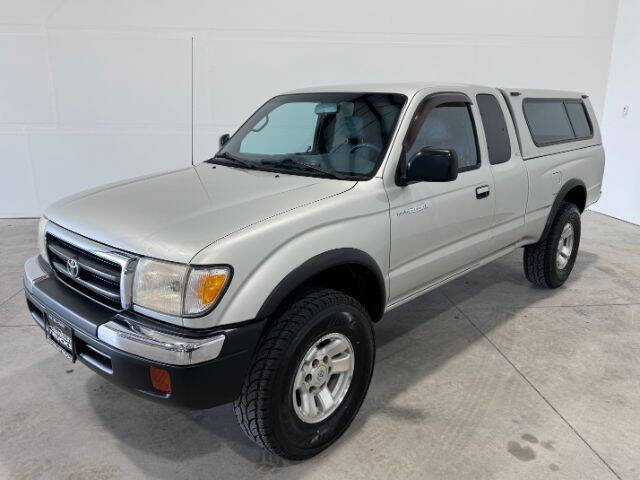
[(158, 346), (33, 272), (135, 339)]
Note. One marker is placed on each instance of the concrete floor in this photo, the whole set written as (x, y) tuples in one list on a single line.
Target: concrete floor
[(487, 377)]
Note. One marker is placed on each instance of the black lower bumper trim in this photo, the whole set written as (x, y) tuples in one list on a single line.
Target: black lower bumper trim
[(199, 386)]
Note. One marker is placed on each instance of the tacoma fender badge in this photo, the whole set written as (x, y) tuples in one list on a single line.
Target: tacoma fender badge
[(411, 210)]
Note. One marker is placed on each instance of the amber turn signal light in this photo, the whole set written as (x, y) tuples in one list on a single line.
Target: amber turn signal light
[(204, 287), (209, 287), (160, 380)]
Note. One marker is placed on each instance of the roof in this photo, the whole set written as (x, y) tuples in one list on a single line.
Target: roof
[(410, 88)]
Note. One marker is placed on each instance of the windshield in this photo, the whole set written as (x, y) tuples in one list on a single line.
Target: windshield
[(339, 135)]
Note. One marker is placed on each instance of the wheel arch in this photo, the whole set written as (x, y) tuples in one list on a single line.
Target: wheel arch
[(349, 270), (573, 191)]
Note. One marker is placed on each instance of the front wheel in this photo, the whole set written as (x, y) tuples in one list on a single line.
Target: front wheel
[(309, 376), (549, 262)]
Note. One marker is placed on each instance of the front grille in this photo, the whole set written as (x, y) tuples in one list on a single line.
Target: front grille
[(84, 271)]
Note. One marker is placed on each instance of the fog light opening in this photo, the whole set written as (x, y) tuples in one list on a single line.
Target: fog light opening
[(160, 380)]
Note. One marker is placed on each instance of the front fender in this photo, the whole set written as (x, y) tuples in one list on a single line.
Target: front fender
[(315, 265), (269, 258)]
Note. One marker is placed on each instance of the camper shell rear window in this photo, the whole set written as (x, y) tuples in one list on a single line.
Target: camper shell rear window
[(556, 120)]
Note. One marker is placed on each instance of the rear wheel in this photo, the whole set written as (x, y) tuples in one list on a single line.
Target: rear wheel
[(549, 262), (310, 375)]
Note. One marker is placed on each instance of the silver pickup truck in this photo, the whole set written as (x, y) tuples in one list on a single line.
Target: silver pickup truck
[(256, 276)]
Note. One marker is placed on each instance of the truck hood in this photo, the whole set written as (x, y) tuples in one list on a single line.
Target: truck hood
[(174, 215)]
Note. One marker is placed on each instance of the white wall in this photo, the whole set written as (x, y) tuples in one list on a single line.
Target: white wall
[(621, 188), (94, 91)]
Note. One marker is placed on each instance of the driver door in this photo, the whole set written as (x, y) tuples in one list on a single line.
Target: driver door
[(440, 228)]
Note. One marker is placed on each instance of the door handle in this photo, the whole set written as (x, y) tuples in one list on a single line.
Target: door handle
[(482, 191)]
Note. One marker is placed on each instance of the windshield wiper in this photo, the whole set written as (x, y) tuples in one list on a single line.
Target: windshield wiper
[(231, 158), (311, 166)]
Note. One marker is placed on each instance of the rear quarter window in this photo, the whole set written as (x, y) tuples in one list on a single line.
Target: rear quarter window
[(553, 120), (495, 128)]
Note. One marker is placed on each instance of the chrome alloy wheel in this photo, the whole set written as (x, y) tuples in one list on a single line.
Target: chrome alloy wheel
[(323, 378), (565, 247)]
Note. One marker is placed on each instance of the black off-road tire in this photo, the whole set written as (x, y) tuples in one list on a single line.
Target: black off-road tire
[(265, 408), (539, 259)]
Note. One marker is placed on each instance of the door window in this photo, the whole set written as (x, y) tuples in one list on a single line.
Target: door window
[(449, 126)]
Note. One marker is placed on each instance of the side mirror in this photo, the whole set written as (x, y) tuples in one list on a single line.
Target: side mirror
[(223, 139), (432, 165)]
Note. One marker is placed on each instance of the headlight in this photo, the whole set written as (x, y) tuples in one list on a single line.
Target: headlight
[(177, 289), (158, 286), (42, 246)]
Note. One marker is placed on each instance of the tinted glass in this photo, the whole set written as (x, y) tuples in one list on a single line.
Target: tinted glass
[(290, 128), (578, 117), (548, 121), (343, 132), (495, 129), (449, 126)]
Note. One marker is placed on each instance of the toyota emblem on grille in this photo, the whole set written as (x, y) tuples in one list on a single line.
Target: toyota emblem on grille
[(72, 267)]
